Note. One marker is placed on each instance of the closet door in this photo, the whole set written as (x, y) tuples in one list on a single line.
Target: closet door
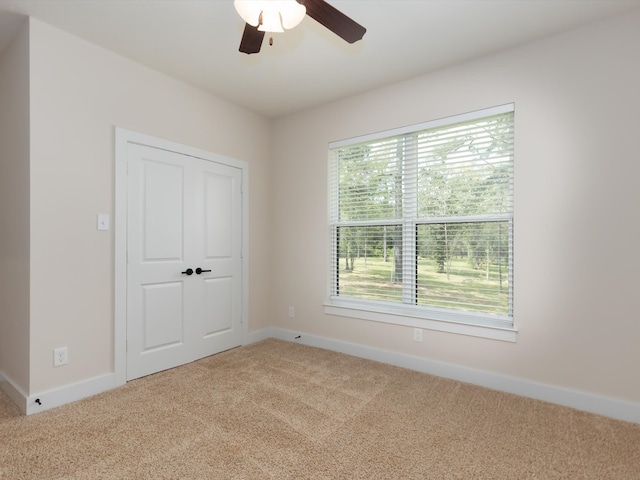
[(183, 259)]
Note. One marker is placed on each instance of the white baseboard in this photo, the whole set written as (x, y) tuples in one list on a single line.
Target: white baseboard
[(29, 404), (15, 393), (69, 393), (601, 405), (258, 335), (610, 407)]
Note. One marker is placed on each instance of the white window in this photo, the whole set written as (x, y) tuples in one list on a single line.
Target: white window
[(422, 225)]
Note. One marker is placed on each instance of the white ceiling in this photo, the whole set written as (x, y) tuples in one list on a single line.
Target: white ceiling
[(197, 41)]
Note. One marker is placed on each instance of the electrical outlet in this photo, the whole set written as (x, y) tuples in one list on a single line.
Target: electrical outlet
[(60, 356), (417, 334), (292, 312)]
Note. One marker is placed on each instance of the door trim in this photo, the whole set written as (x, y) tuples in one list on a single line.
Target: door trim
[(123, 137)]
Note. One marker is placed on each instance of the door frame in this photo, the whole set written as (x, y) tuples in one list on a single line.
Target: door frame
[(123, 138)]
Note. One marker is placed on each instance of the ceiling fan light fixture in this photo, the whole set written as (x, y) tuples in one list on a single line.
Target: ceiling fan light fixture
[(270, 15), (277, 15)]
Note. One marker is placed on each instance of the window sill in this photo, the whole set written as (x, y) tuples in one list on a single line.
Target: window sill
[(409, 319)]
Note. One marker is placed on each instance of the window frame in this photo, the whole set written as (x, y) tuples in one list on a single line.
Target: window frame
[(412, 315)]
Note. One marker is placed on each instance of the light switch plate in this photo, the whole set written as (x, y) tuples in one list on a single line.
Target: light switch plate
[(103, 221)]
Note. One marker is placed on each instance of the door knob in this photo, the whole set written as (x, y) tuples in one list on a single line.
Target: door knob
[(199, 270), (188, 271)]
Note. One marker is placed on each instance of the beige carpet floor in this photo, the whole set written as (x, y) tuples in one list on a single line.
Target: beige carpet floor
[(280, 410)]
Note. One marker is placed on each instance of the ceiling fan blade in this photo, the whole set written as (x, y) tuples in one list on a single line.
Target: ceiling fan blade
[(251, 39), (334, 20)]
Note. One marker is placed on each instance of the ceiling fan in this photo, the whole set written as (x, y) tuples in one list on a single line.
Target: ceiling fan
[(277, 15)]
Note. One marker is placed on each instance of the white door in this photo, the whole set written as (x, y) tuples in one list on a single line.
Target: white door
[(184, 265)]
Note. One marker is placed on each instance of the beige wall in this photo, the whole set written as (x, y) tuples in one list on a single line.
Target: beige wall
[(79, 92), (576, 208), (14, 211)]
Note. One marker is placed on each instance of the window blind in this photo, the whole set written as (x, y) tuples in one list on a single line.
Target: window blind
[(423, 217)]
